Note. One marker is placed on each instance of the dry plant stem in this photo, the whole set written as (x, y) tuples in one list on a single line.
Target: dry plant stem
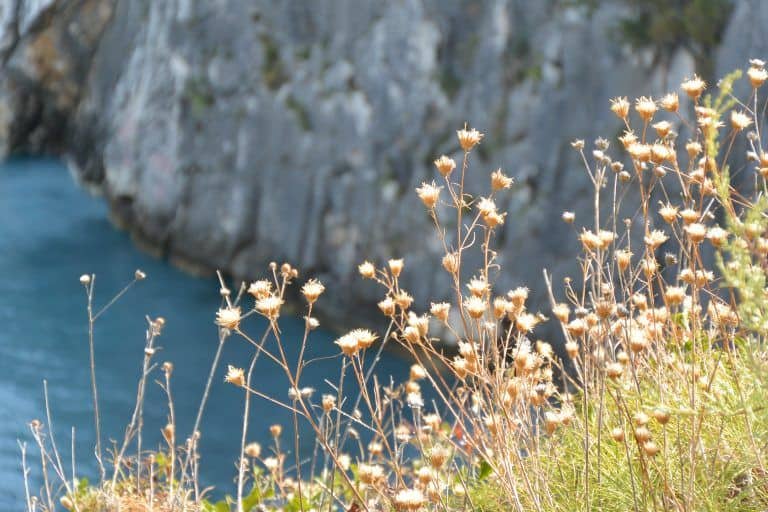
[(172, 440), (58, 466), (25, 473), (246, 410), (206, 392), (134, 427), (94, 388)]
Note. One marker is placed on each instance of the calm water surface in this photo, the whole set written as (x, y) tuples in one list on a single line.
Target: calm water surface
[(51, 232)]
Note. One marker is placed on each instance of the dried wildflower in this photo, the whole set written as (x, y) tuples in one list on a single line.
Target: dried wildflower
[(518, 296), (417, 372), (260, 289), (717, 236), (662, 128), (661, 153), (460, 367), (617, 434), (620, 107), (468, 139), (348, 344), (740, 120), (85, 279), (696, 232), (500, 181), (568, 217), (411, 335), (494, 219), (420, 323), (526, 322), (253, 450), (370, 474), (395, 266), (693, 87), (429, 194), (662, 415), (589, 240), (228, 318), (623, 259), (645, 107), (312, 289), (328, 403), (486, 206), (674, 295), (403, 299), (638, 341), (438, 456), (414, 400), (668, 213), (577, 144), (689, 216), (500, 307), (478, 286), (628, 138), (451, 262), (670, 102), (475, 306), (270, 306), (614, 370), (445, 165), (576, 327), (640, 152), (561, 312), (235, 376), (409, 500), (387, 306), (367, 270), (757, 75), (650, 448), (655, 238), (440, 310)]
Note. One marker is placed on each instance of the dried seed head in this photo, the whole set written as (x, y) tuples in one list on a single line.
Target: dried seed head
[(645, 107), (329, 403), (500, 307), (395, 266), (614, 370), (674, 295), (561, 312), (429, 193), (577, 144), (475, 306), (500, 181), (387, 306), (662, 128), (228, 318), (518, 296), (370, 474), (460, 367), (668, 213), (623, 259), (662, 415), (617, 434), (312, 289), (693, 87), (486, 206), (526, 322), (85, 279), (440, 310), (757, 75), (717, 236), (740, 120), (235, 376), (421, 323), (451, 262), (367, 270), (576, 328), (417, 372), (650, 448), (275, 430), (411, 335), (620, 107), (696, 232), (468, 138), (642, 434), (693, 149), (638, 341), (438, 456), (478, 286), (270, 306), (409, 500), (689, 216), (568, 217), (403, 299), (627, 139), (445, 165), (640, 152), (655, 238), (139, 275), (348, 344), (253, 450), (670, 102)]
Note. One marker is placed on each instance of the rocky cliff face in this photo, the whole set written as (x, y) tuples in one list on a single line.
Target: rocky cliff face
[(229, 133)]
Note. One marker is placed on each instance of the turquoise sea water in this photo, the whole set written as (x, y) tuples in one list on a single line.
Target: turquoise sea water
[(51, 232)]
